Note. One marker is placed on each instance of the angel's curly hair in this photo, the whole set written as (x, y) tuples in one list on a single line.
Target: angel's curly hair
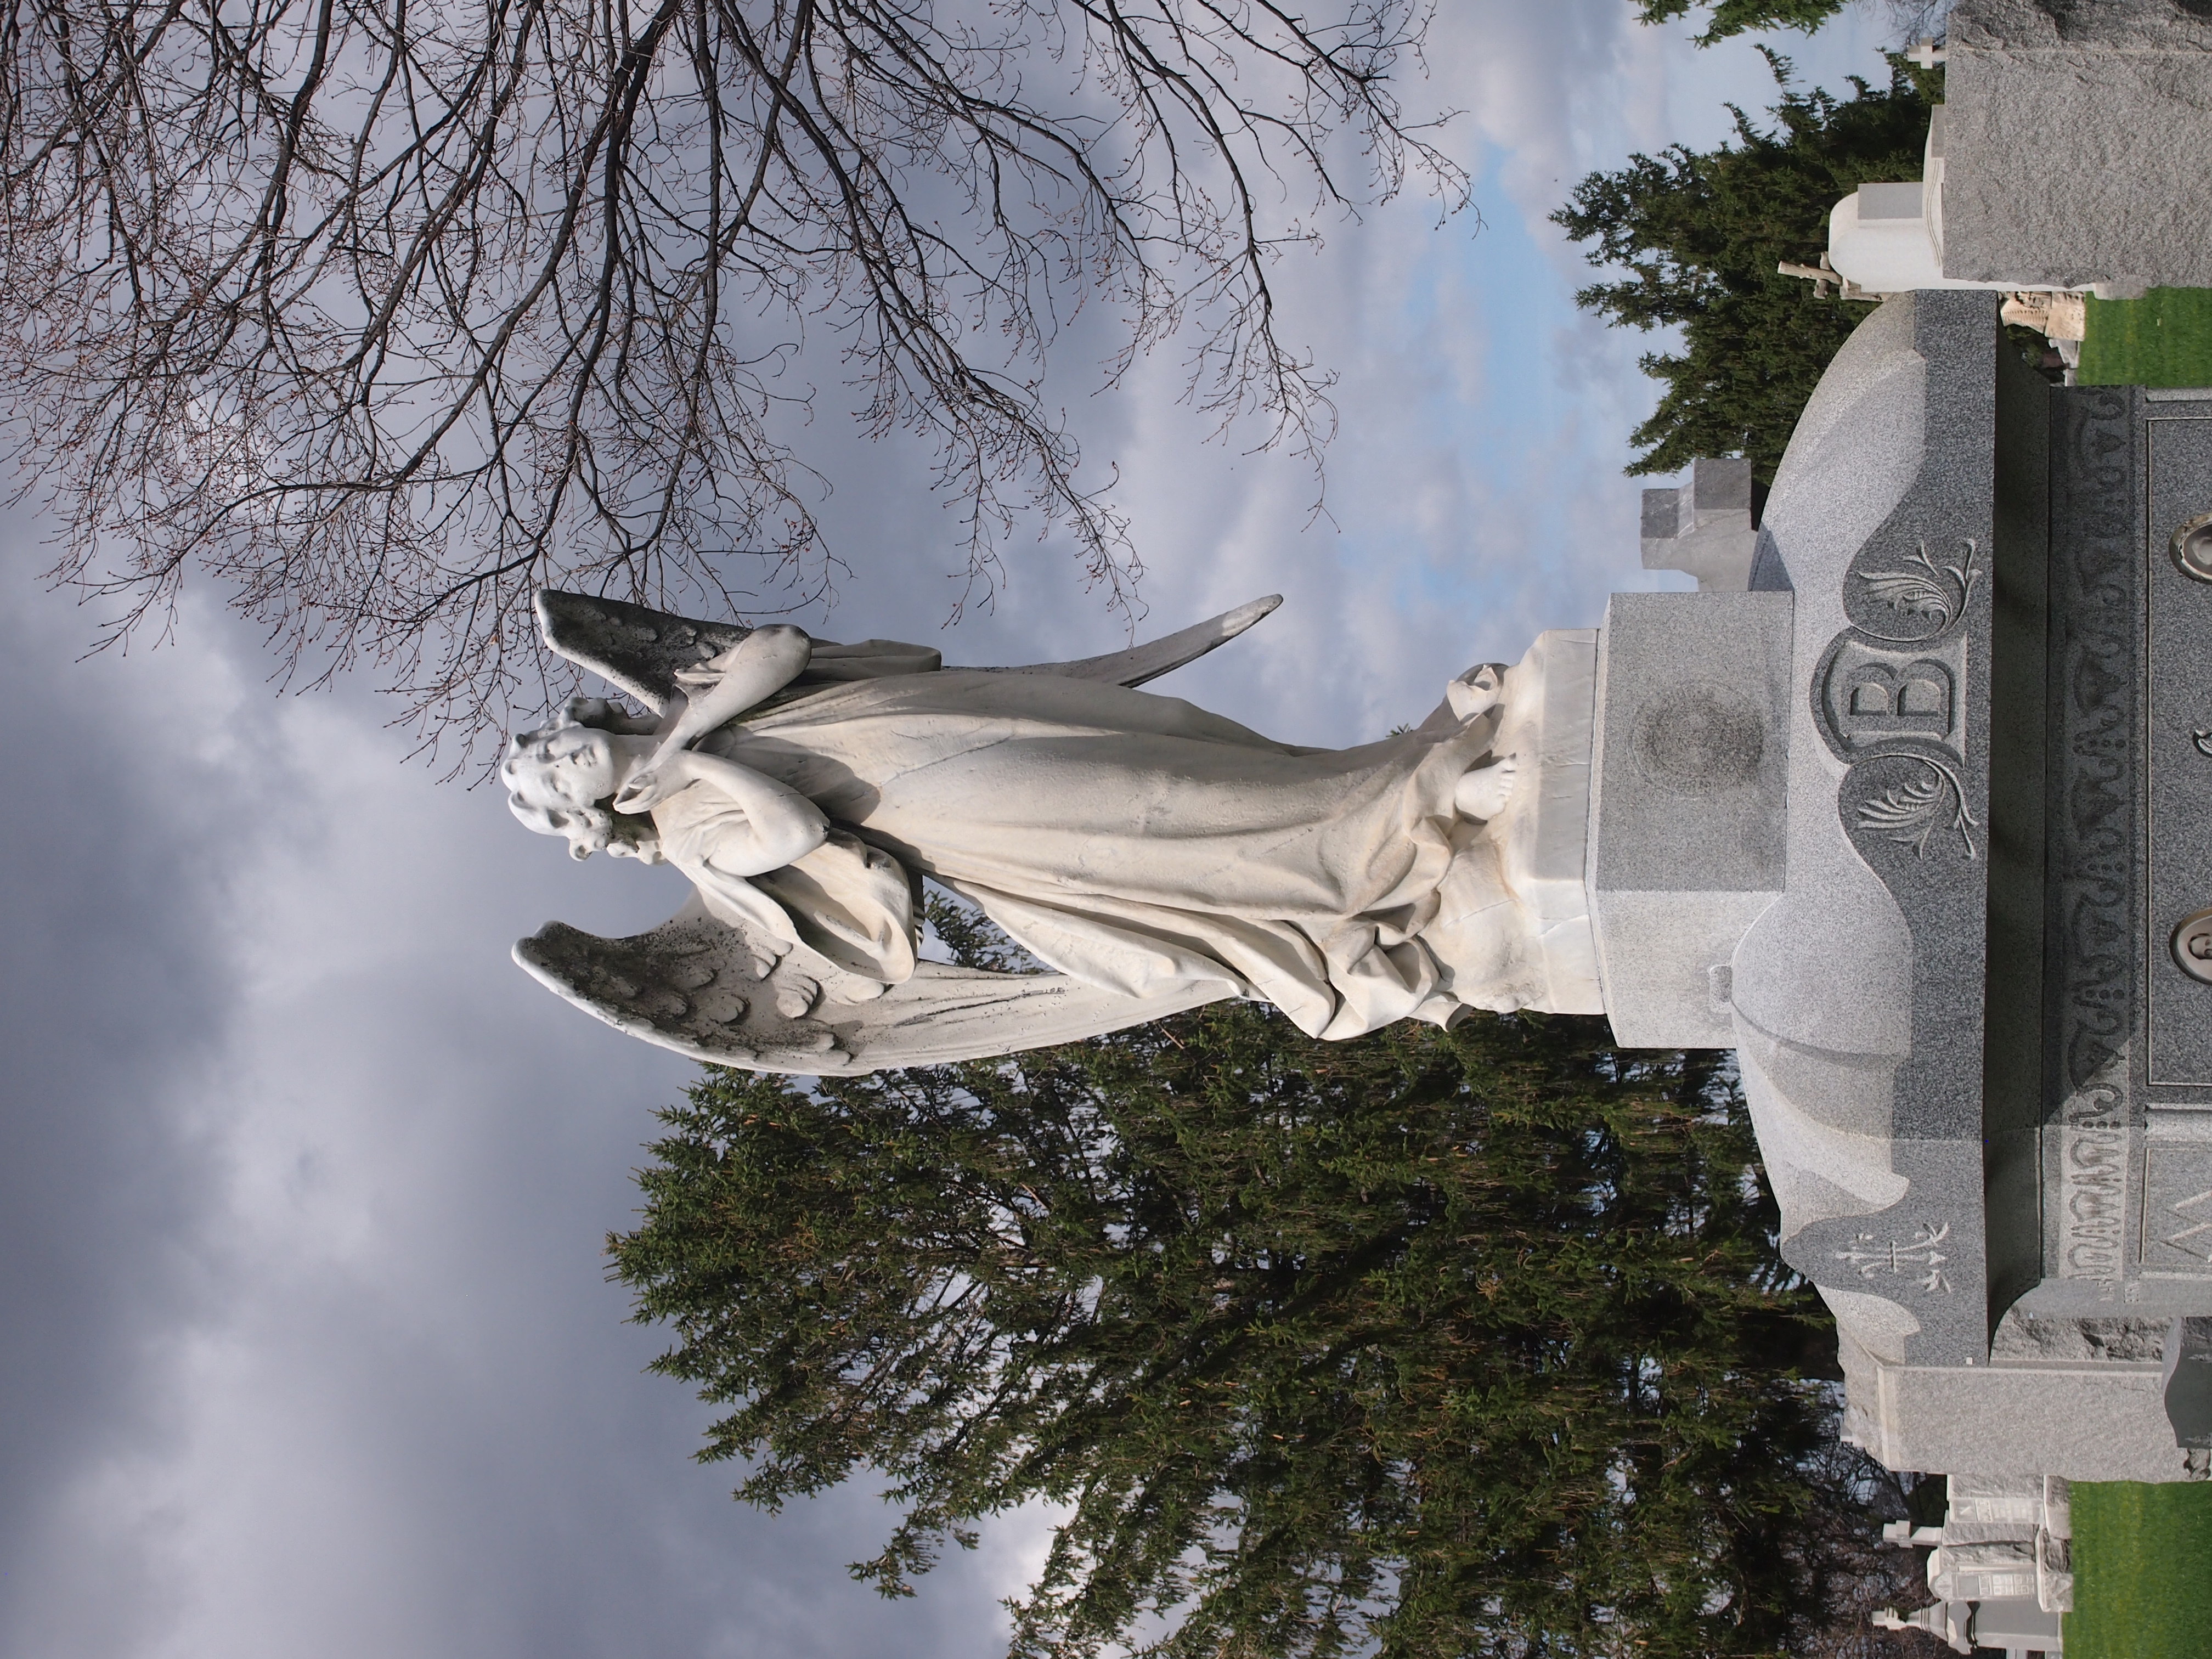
[(589, 828)]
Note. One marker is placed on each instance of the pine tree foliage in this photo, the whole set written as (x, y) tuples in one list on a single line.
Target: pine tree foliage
[(1700, 233), (1463, 1343), (1736, 16)]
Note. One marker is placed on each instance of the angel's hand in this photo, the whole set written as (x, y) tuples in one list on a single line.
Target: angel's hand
[(607, 716), (648, 788), (712, 670), (708, 672), (742, 822), (757, 666), (772, 642)]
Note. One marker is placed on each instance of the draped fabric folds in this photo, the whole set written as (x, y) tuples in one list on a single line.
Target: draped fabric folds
[(1134, 841)]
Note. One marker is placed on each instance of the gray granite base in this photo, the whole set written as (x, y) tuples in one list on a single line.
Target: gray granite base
[(1915, 828)]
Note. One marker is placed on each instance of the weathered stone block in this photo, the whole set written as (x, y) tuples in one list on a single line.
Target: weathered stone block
[(2079, 140), (1687, 844)]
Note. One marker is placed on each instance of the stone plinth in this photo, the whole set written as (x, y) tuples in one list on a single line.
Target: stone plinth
[(1687, 845), (1545, 840)]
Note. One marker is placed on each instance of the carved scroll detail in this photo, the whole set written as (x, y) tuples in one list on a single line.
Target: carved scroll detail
[(2095, 610), (1881, 695), (1909, 813), (1923, 588)]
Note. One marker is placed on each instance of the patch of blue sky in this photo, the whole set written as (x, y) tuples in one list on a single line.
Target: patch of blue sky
[(1533, 399)]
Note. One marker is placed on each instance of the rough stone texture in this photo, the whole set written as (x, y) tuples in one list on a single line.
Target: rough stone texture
[(2086, 1423), (2048, 25), (2079, 137), (2123, 1339), (1688, 846)]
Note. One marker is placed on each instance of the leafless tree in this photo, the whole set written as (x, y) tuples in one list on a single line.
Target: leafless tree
[(383, 312)]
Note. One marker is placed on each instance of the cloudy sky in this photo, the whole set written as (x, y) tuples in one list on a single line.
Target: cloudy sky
[(306, 1348)]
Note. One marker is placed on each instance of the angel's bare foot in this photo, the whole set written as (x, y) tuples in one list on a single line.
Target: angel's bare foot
[(1483, 794), (1477, 691)]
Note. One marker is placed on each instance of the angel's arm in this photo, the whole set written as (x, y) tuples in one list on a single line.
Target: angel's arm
[(751, 823), (755, 668)]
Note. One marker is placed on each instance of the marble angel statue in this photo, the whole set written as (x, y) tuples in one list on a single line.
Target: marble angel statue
[(1153, 855)]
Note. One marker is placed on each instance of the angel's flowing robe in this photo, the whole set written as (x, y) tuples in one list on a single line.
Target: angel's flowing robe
[(1134, 841)]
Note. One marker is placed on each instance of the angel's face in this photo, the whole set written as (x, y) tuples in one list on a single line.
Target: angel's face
[(572, 767)]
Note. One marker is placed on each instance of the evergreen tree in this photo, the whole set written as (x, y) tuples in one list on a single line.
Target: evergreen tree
[(1701, 234), (1736, 16), (1426, 1343)]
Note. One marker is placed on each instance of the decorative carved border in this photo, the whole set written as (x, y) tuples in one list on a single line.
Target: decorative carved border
[(1900, 694), (2095, 644), (1887, 691), (2094, 762)]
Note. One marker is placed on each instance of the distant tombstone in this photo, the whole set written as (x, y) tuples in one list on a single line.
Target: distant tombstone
[(2079, 140), (1983, 1572), (1704, 528), (2011, 1506), (2070, 155), (1947, 1621), (2000, 1565)]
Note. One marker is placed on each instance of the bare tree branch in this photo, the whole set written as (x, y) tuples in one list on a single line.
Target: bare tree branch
[(383, 313)]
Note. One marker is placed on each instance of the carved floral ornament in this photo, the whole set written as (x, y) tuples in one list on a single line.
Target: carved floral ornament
[(1917, 1258), (1923, 588), (1911, 812), (1898, 693)]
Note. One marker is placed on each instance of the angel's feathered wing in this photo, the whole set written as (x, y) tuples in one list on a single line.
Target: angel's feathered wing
[(705, 988), (641, 650)]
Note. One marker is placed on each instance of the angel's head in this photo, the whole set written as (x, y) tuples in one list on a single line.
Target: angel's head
[(559, 780)]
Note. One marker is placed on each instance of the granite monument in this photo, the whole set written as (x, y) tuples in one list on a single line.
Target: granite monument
[(1906, 805)]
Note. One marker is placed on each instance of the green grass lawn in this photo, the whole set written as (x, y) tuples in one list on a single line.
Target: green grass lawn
[(2165, 339), (2142, 1573)]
